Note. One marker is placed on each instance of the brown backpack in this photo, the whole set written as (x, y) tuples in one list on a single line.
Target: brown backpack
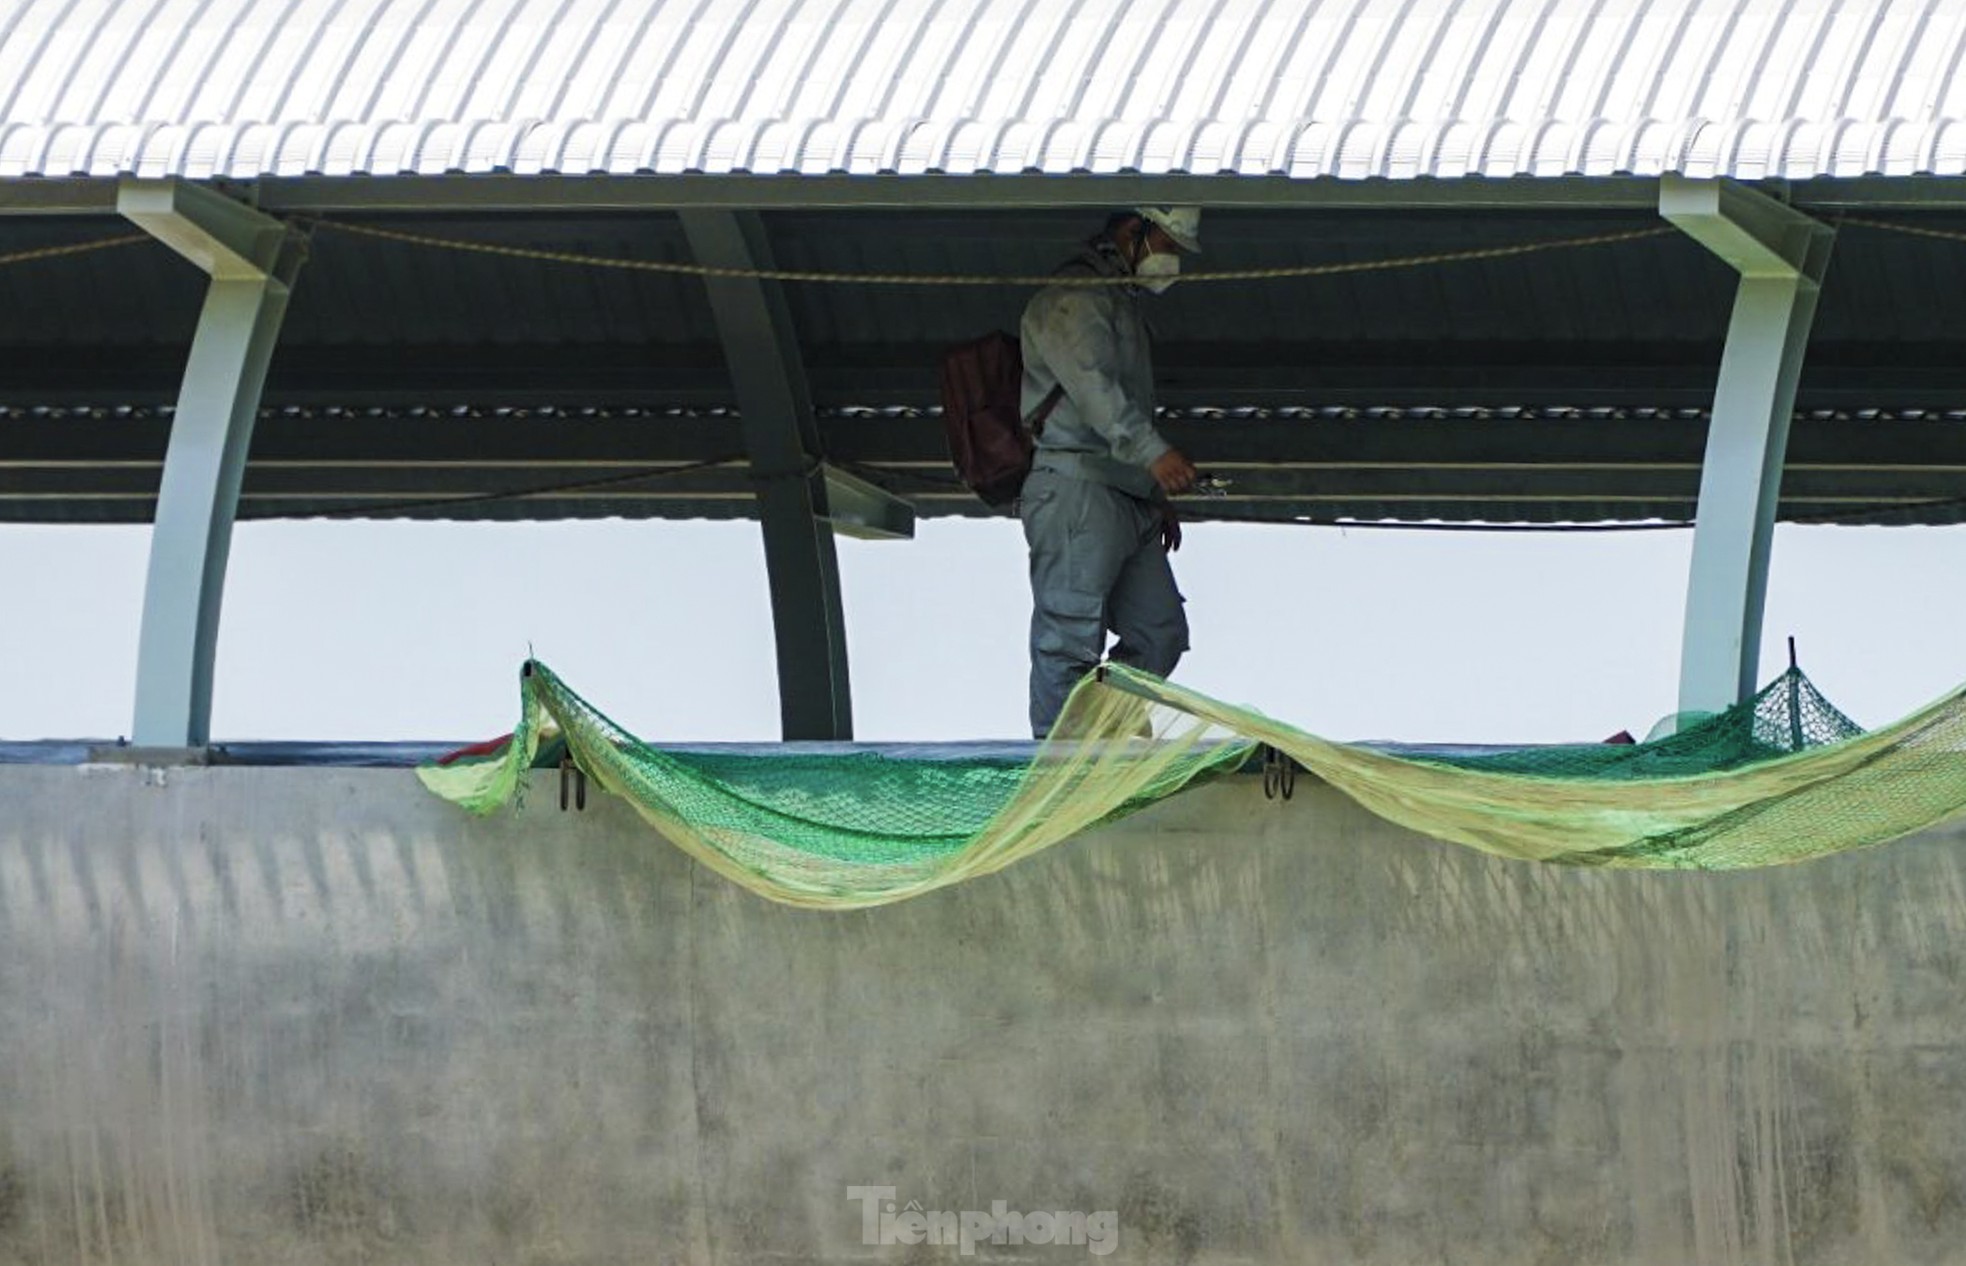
[(982, 405)]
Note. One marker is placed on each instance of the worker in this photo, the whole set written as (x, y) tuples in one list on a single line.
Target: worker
[(1095, 507)]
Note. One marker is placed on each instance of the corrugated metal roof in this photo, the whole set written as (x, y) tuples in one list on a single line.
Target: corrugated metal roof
[(1349, 88)]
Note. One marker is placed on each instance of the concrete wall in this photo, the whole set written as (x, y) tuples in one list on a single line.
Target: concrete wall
[(315, 1016)]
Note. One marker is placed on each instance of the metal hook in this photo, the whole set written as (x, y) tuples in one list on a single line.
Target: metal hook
[(1279, 774), (573, 774)]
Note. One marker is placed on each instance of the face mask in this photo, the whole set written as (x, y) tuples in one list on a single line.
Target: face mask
[(1157, 272)]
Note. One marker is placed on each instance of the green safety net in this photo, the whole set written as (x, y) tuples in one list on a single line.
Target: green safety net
[(1780, 778), (1788, 716)]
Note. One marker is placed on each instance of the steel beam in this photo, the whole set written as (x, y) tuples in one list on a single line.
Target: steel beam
[(58, 195), (57, 469), (1277, 375), (781, 436), (866, 511), (741, 191), (1781, 256), (252, 260)]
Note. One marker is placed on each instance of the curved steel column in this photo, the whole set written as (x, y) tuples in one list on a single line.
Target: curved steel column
[(252, 260), (1781, 255), (815, 700)]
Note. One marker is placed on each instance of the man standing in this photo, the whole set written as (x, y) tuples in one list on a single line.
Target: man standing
[(1095, 506)]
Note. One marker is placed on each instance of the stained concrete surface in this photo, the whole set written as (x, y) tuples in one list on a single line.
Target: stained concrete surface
[(316, 1016)]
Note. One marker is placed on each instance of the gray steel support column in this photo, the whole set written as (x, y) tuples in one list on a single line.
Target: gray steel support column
[(252, 260), (1781, 255), (782, 438)]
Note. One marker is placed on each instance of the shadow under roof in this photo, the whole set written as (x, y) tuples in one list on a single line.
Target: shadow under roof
[(1569, 385)]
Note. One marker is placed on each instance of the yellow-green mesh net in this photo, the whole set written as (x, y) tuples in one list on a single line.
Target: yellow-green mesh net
[(1781, 778)]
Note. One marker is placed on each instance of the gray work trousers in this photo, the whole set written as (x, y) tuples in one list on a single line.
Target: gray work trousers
[(1096, 565)]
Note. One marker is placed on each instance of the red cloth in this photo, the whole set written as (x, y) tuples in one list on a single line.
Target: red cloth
[(487, 748)]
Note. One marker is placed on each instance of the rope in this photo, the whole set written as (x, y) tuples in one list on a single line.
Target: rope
[(1914, 230), (964, 279), (72, 248), (981, 279)]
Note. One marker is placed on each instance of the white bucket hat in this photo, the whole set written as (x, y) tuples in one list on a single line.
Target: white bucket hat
[(1183, 224)]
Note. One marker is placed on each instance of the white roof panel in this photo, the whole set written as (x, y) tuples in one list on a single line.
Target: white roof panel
[(1350, 88)]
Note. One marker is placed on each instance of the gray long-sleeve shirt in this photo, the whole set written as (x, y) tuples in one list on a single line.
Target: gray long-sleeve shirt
[(1094, 341)]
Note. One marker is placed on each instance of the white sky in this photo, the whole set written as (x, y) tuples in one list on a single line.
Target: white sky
[(336, 630)]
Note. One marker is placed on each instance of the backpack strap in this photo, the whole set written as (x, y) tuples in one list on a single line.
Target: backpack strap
[(1045, 406)]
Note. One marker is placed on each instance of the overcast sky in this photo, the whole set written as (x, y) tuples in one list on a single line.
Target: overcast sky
[(337, 630)]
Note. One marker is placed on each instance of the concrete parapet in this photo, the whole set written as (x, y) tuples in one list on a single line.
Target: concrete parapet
[(312, 1015)]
